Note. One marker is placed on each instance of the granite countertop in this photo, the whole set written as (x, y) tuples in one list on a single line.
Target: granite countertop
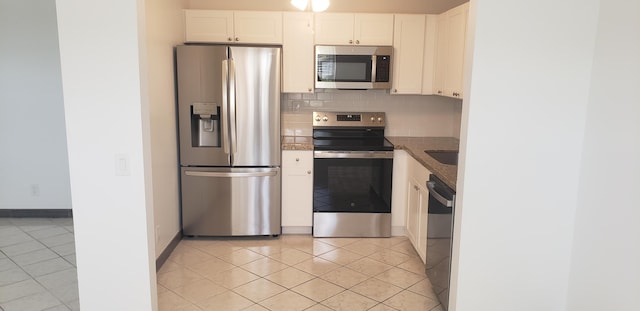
[(415, 146), (297, 143)]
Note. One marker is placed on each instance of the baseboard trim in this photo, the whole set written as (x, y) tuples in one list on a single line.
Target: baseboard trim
[(398, 231), (36, 213), (296, 230), (168, 250)]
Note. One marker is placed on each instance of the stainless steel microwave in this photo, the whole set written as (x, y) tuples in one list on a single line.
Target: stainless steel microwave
[(353, 67)]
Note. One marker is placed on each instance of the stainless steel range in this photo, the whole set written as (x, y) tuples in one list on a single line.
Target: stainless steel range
[(353, 166)]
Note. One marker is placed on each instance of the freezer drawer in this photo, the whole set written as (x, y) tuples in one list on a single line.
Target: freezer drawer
[(230, 201)]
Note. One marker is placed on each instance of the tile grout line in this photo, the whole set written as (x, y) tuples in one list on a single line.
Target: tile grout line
[(34, 278)]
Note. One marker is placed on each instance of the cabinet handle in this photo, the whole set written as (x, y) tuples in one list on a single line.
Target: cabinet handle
[(309, 89), (297, 159), (229, 39), (416, 187), (237, 39), (350, 41), (439, 92), (395, 90), (357, 41), (309, 172)]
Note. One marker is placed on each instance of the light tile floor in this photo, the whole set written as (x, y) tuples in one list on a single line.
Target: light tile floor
[(37, 264), (295, 272), (292, 272)]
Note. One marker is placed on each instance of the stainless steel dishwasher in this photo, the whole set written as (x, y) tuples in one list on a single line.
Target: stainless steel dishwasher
[(439, 237)]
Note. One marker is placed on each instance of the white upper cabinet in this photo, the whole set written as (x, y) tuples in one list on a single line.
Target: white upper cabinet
[(441, 57), (208, 26), (233, 26), (450, 45), (429, 64), (297, 52), (457, 30), (408, 49), (357, 29), (373, 29)]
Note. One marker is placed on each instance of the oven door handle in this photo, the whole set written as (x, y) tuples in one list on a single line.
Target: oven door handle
[(353, 154)]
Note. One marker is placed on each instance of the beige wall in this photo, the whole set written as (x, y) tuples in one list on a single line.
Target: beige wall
[(164, 27), (367, 6)]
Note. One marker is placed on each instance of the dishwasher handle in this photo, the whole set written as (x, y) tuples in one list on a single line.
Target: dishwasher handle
[(431, 185)]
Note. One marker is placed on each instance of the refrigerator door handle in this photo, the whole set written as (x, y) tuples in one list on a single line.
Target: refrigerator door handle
[(231, 174), (232, 106), (224, 105)]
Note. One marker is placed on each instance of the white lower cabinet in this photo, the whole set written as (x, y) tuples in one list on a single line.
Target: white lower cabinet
[(297, 191), (417, 205)]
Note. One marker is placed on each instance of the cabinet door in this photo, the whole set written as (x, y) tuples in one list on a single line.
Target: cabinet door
[(429, 65), (408, 44), (297, 188), (373, 29), (297, 53), (258, 27), (334, 28), (456, 32), (208, 26), (413, 212), (441, 54)]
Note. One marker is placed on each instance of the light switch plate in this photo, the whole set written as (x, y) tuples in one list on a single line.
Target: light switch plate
[(122, 165)]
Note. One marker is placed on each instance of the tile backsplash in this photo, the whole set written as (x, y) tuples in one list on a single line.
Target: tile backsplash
[(407, 115)]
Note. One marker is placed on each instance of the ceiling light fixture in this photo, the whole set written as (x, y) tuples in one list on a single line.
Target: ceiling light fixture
[(316, 5)]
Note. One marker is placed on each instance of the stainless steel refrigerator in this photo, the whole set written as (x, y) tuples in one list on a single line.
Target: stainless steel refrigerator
[(229, 124)]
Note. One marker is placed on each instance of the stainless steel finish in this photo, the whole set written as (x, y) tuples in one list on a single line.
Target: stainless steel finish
[(240, 202), (330, 119), (199, 80), (225, 106), (257, 108), (440, 221), (230, 174), (232, 109), (351, 224), (232, 187), (448, 203), (353, 154), (374, 64), (354, 50)]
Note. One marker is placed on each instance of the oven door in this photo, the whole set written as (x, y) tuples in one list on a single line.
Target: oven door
[(352, 193), (352, 181)]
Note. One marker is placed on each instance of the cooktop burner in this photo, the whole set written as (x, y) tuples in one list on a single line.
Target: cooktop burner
[(350, 131)]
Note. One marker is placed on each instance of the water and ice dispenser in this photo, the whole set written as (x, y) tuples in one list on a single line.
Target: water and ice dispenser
[(205, 125)]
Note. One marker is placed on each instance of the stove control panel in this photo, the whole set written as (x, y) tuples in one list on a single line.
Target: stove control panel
[(348, 119)]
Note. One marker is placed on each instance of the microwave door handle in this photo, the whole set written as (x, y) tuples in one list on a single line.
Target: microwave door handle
[(374, 64), (224, 104)]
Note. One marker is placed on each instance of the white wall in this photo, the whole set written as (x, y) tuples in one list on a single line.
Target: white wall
[(103, 60), (164, 30), (407, 115), (34, 170), (524, 115), (605, 262)]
